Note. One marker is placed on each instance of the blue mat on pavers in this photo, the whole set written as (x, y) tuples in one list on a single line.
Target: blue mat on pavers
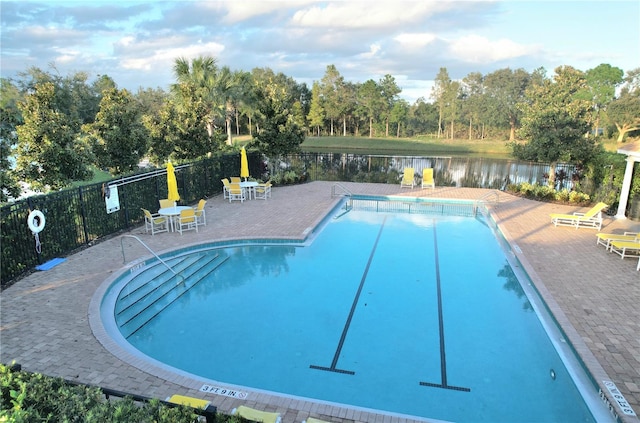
[(50, 264)]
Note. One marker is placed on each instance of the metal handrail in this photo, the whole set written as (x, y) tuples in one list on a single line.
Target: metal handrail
[(489, 194), (152, 252), (345, 191)]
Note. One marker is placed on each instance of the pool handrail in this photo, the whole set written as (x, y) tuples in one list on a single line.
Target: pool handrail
[(345, 192), (124, 259)]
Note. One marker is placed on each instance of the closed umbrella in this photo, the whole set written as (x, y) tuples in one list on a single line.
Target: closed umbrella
[(244, 164), (172, 184)]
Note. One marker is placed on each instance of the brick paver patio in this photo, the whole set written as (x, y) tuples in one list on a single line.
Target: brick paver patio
[(47, 318)]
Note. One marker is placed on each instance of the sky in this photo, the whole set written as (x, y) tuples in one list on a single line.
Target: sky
[(136, 43)]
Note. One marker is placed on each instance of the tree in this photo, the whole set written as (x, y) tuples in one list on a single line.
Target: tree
[(279, 102), (48, 153), (555, 120), (332, 92), (117, 135), (601, 90), (438, 92), (202, 82), (316, 112), (399, 114), (624, 111), (504, 91), (10, 118), (474, 105), (370, 102), (389, 91)]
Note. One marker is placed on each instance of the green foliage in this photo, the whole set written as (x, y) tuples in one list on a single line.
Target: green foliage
[(282, 128), (545, 193), (48, 153), (32, 397), (555, 122), (118, 138)]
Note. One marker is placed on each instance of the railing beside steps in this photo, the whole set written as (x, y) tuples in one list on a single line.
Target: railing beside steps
[(338, 189), (491, 197), (180, 277)]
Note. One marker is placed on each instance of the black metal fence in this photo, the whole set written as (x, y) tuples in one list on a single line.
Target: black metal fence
[(75, 218)]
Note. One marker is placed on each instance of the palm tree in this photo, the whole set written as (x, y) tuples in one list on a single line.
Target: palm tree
[(216, 89)]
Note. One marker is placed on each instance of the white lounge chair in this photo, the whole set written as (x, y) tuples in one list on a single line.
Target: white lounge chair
[(591, 219)]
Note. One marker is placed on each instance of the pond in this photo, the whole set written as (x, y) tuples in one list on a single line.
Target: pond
[(454, 171)]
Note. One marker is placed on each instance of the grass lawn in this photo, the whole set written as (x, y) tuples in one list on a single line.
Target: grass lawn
[(422, 145)]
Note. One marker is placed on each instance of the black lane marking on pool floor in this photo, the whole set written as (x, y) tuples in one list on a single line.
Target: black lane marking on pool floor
[(336, 356), (443, 356)]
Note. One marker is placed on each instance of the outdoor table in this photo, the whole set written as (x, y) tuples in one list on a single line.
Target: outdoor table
[(250, 186), (171, 213)]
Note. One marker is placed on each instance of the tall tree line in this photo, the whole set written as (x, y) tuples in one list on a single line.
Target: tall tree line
[(57, 129)]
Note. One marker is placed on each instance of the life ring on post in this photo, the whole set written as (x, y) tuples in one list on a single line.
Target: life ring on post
[(36, 221)]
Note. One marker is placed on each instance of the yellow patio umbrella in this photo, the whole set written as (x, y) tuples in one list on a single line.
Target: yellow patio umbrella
[(244, 164), (172, 184)]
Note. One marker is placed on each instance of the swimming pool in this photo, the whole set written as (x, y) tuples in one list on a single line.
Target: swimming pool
[(410, 313)]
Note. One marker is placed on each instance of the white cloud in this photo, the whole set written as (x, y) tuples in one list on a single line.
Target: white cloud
[(477, 49), (363, 14), (413, 41), (148, 56)]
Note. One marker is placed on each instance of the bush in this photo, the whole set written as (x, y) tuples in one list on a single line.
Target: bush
[(33, 397), (546, 193)]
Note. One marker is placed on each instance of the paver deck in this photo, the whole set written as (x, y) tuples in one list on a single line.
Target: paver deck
[(47, 317)]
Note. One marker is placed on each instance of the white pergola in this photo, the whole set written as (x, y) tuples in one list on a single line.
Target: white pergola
[(632, 151)]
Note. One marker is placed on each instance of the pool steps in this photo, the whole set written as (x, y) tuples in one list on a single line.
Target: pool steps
[(141, 301)]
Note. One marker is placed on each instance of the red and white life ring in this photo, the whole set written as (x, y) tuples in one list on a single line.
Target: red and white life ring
[(36, 221)]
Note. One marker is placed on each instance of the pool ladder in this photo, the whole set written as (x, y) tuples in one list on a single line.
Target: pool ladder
[(180, 277), (340, 190), (491, 197)]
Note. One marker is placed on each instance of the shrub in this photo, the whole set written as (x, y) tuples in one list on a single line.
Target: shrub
[(544, 192), (579, 198), (563, 196)]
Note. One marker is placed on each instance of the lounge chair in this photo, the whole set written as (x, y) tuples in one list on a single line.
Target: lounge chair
[(200, 212), (408, 179), (263, 191), (256, 415), (605, 239), (186, 220), (590, 219), (236, 192), (427, 178), (625, 248), (155, 223), (225, 187)]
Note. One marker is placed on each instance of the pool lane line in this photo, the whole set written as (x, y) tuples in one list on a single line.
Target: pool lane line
[(347, 324), (443, 355)]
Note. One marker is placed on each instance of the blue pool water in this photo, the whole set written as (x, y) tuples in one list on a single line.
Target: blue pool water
[(412, 314)]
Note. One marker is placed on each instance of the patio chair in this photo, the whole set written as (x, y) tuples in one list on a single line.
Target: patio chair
[(605, 239), (225, 188), (200, 212), (235, 179), (625, 248), (427, 178), (263, 191), (155, 223), (256, 415), (408, 179), (186, 221), (236, 192), (165, 202), (591, 219)]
